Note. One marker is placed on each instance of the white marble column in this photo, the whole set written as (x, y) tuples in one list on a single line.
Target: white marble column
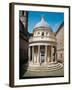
[(38, 60), (29, 53), (33, 54), (45, 54), (51, 53), (55, 54)]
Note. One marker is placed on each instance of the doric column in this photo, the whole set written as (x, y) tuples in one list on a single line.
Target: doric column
[(33, 54), (55, 54), (51, 53), (38, 60), (45, 54), (29, 54)]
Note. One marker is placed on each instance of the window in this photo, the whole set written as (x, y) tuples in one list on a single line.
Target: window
[(46, 33), (42, 33), (61, 55), (38, 32)]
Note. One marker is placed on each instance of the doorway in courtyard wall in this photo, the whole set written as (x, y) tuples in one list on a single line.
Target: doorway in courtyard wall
[(42, 54)]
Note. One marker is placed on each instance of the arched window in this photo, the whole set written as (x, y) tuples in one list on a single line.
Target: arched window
[(46, 33), (42, 33)]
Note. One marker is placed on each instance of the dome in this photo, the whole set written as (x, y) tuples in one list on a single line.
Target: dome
[(42, 23)]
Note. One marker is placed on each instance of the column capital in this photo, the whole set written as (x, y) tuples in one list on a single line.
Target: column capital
[(29, 46), (38, 45)]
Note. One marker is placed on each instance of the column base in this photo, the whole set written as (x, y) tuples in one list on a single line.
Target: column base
[(45, 62)]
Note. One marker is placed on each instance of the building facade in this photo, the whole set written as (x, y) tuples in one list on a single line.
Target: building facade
[(60, 43), (23, 36), (42, 45)]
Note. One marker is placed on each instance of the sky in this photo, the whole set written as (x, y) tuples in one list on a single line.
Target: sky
[(54, 19)]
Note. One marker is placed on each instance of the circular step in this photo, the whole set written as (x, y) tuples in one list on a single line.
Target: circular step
[(47, 67)]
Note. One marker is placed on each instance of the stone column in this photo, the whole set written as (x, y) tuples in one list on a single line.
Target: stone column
[(55, 54), (45, 54), (38, 60), (33, 54), (51, 53), (29, 54)]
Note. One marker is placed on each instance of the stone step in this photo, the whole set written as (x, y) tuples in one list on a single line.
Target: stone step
[(45, 68)]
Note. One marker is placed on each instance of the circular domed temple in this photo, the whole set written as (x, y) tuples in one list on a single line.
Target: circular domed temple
[(42, 48)]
